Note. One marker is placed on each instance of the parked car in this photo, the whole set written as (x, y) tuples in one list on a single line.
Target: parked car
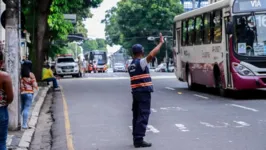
[(119, 67), (161, 68), (171, 68)]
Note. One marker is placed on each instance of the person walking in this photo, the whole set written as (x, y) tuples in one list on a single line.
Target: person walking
[(6, 97), (27, 85), (141, 85)]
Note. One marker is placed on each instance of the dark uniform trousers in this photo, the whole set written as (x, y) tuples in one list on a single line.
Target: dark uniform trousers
[(141, 112)]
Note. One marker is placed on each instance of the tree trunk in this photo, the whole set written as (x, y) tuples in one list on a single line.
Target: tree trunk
[(43, 10), (46, 45), (12, 59)]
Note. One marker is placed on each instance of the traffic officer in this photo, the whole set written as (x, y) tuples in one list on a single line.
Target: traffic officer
[(141, 85)]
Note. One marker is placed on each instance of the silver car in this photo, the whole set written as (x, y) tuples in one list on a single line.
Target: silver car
[(119, 67)]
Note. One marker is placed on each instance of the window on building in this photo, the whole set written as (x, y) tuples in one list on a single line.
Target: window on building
[(184, 33), (198, 30), (191, 31), (217, 26), (207, 28)]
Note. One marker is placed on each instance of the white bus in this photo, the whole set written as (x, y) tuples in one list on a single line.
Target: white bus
[(222, 45)]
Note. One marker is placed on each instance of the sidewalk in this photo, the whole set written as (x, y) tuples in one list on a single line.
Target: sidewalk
[(20, 140)]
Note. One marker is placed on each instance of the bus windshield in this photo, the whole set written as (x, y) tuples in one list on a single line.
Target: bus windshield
[(98, 57), (250, 37)]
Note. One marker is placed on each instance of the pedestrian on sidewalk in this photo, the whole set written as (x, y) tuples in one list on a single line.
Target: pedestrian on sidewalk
[(141, 85), (48, 76), (6, 97), (28, 84)]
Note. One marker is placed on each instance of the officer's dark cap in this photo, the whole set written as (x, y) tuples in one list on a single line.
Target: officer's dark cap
[(137, 48)]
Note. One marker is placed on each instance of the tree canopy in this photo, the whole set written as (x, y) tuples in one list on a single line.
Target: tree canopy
[(132, 21), (46, 24), (97, 44)]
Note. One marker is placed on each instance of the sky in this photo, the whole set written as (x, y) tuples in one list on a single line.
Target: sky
[(95, 27)]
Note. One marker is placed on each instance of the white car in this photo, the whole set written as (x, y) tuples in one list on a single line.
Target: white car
[(119, 67), (67, 66), (171, 68), (161, 68)]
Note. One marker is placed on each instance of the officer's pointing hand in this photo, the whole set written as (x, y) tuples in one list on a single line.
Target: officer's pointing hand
[(161, 38)]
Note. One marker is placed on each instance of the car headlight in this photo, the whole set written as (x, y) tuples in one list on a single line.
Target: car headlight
[(75, 65), (242, 70)]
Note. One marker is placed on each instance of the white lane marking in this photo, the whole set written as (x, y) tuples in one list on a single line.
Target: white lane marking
[(153, 110), (201, 96), (241, 124), (173, 108), (170, 88), (182, 127), (214, 126), (150, 128), (244, 107)]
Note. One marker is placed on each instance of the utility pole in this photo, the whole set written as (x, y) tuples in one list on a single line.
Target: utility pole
[(12, 58)]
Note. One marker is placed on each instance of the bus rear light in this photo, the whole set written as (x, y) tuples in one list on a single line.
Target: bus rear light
[(242, 70)]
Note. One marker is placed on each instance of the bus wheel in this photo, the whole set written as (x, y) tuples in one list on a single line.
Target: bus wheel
[(190, 83)]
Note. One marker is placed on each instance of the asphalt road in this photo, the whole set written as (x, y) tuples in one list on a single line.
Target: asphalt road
[(97, 116)]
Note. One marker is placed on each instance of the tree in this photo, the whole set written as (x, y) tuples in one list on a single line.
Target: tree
[(89, 45), (101, 44), (74, 49), (80, 28), (46, 23), (132, 21), (98, 44)]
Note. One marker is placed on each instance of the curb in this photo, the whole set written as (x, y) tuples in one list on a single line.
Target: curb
[(27, 136)]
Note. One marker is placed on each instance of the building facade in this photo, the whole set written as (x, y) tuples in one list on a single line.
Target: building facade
[(193, 4)]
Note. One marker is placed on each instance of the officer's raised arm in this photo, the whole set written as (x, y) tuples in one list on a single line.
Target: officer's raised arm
[(155, 50)]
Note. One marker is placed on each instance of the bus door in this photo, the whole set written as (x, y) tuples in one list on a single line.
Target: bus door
[(228, 77), (178, 70)]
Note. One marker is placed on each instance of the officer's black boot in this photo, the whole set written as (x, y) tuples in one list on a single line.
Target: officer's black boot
[(142, 144)]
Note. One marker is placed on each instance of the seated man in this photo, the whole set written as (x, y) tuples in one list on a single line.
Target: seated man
[(47, 75)]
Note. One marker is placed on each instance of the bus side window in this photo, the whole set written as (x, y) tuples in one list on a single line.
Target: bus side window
[(174, 34), (217, 26), (184, 33), (198, 30), (207, 28), (191, 32)]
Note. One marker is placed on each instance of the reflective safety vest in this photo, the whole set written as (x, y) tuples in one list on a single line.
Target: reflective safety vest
[(140, 80)]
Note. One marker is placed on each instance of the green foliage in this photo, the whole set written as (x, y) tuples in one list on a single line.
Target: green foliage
[(98, 44), (132, 21), (80, 28), (74, 49), (101, 44), (57, 49), (59, 27)]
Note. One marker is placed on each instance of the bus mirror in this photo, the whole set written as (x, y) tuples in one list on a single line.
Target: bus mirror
[(229, 28)]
